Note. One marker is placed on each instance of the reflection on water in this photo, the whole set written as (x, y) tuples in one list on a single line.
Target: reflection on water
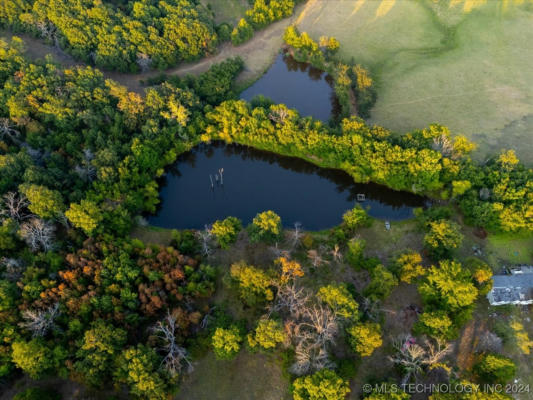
[(253, 181), (297, 85)]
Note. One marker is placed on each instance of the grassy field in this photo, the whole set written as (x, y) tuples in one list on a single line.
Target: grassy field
[(248, 377), (462, 63), (229, 11)]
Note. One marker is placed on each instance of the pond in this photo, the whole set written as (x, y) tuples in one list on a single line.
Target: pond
[(297, 85), (254, 181)]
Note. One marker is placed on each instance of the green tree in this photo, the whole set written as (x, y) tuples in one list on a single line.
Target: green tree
[(355, 218), (100, 346), (409, 266), (226, 342), (266, 226), (255, 286), (86, 215), (44, 202), (436, 323), (494, 368), (381, 284), (267, 335), (226, 231), (443, 238), (33, 357), (365, 338), (340, 300), (448, 287), (322, 385), (8, 239), (355, 253), (138, 367)]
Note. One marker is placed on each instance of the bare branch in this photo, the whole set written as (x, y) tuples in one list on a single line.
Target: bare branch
[(175, 356), (39, 322), (38, 234)]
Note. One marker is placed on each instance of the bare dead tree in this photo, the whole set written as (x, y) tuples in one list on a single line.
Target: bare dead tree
[(175, 357), (8, 131), (323, 322), (38, 234), (144, 61), (206, 240), (39, 322), (13, 268), (48, 31), (279, 115), (336, 253), (296, 235), (278, 252), (14, 206), (443, 144), (414, 357), (86, 169), (291, 299), (315, 258)]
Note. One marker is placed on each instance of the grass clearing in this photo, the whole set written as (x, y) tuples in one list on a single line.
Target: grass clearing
[(463, 63), (152, 235), (229, 11), (247, 377), (515, 250)]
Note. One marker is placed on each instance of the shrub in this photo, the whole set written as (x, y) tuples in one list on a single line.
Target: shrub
[(381, 284), (437, 324), (354, 256)]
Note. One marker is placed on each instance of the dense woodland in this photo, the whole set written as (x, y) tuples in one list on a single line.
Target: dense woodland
[(79, 161), (135, 36)]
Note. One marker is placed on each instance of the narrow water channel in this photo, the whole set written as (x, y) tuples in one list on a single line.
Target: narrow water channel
[(254, 181)]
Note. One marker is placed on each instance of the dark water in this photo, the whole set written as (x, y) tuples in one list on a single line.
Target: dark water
[(256, 181), (297, 85)]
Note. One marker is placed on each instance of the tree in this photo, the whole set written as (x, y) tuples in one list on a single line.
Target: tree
[(355, 218), (40, 322), (226, 231), (44, 202), (33, 357), (381, 284), (355, 254), (436, 323), (175, 356), (267, 335), (323, 385), (266, 226), (340, 300), (365, 338), (226, 342), (38, 234), (448, 287), (254, 284), (410, 267), (443, 237), (138, 367), (8, 239), (86, 215), (494, 368), (101, 345)]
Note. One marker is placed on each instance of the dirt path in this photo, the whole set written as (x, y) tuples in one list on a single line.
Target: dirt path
[(258, 54)]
